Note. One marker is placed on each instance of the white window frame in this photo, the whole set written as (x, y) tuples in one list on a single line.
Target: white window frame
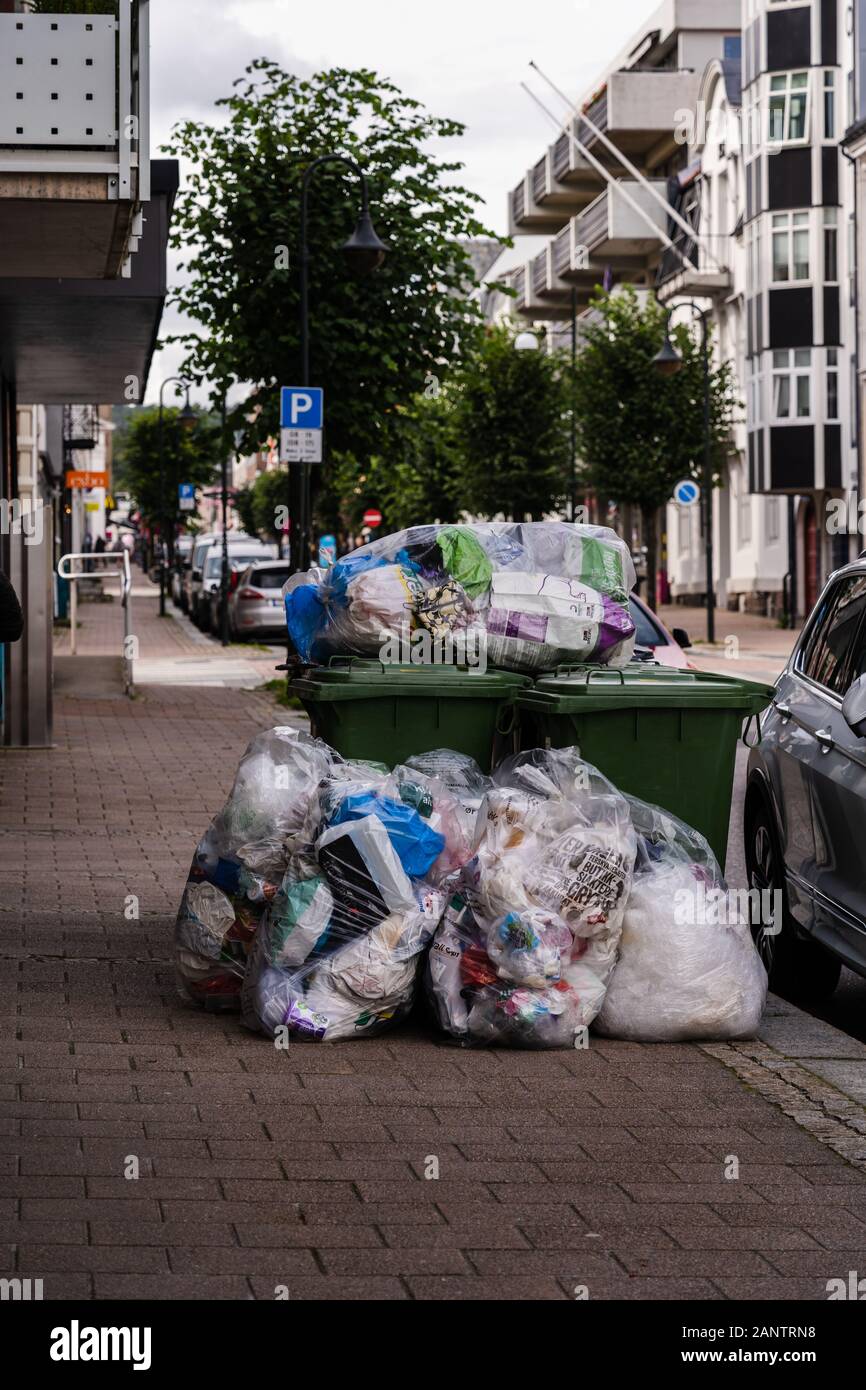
[(755, 399), (795, 372), (831, 372), (830, 225), (787, 92), (786, 225), (744, 511), (773, 521), (828, 89)]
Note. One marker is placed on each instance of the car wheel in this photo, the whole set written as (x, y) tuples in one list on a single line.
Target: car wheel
[(797, 968)]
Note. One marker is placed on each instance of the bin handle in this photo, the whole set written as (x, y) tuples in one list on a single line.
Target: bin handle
[(747, 727), (589, 671), (512, 724)]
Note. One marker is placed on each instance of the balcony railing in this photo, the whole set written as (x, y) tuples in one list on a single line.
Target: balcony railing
[(74, 93), (518, 201), (539, 273), (539, 179)]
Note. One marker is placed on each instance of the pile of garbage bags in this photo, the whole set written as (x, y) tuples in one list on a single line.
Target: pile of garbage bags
[(537, 594), (532, 903)]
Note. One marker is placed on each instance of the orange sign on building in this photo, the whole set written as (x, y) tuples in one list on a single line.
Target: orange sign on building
[(82, 478)]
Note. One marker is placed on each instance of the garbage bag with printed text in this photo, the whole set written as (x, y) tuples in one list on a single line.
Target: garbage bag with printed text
[(530, 932)]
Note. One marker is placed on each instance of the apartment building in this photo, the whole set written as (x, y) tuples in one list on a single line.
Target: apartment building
[(84, 217), (758, 230), (601, 192)]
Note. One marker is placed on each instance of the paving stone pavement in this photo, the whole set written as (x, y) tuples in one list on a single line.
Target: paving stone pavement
[(600, 1171)]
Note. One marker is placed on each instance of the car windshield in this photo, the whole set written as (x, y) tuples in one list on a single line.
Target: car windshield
[(646, 632)]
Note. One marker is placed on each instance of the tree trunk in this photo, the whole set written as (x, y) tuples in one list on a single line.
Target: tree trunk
[(650, 518)]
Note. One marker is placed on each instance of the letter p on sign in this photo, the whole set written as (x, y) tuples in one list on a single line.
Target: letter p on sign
[(301, 408)]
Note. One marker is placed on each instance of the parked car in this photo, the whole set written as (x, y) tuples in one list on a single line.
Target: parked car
[(241, 550), (256, 606), (805, 808), (182, 552), (193, 571), (653, 641)]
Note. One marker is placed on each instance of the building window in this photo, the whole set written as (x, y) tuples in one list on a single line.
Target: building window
[(829, 104), (754, 252), (831, 246), (732, 46), (790, 246), (832, 384), (792, 384), (788, 108), (772, 516)]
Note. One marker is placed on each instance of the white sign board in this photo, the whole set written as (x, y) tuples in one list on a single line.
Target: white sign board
[(300, 446)]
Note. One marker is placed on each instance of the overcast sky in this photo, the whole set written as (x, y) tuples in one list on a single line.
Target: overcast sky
[(465, 59)]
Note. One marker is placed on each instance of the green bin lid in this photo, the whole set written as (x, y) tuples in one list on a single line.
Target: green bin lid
[(639, 685), (350, 677)]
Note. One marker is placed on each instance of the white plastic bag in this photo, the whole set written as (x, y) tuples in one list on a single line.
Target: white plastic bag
[(688, 969)]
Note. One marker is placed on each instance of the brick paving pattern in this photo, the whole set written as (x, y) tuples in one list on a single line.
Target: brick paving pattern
[(600, 1170)]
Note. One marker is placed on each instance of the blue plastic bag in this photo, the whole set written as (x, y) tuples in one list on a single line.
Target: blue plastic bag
[(417, 844)]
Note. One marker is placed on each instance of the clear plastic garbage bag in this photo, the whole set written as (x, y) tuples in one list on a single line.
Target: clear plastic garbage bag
[(338, 952), (241, 859), (529, 937), (535, 594), (688, 969)]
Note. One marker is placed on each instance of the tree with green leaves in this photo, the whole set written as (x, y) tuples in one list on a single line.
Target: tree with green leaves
[(511, 429), (639, 432), (374, 340), (261, 505), (151, 468)]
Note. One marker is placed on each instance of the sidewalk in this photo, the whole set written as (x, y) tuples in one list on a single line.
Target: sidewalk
[(601, 1169), (746, 645)]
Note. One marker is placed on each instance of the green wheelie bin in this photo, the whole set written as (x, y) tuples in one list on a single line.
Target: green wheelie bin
[(665, 735), (369, 709)]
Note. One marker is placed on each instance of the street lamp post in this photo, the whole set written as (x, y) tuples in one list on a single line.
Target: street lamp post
[(527, 342), (364, 253), (188, 420), (667, 362)]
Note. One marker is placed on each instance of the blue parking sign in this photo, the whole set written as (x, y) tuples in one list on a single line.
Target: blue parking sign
[(301, 407)]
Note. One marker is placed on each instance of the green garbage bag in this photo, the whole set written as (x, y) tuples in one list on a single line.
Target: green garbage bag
[(464, 558)]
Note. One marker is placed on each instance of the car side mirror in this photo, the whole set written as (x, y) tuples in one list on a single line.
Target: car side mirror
[(681, 637), (854, 707)]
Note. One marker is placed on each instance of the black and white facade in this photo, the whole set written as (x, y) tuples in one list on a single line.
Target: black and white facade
[(799, 272)]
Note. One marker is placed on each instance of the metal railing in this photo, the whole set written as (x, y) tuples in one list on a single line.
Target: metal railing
[(101, 569)]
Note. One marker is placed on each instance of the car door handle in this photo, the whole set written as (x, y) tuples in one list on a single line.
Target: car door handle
[(784, 710), (825, 738)]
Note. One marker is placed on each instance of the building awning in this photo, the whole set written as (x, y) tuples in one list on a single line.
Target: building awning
[(68, 340)]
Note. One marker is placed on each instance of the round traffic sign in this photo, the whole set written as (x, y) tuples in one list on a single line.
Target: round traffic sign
[(372, 518), (687, 492)]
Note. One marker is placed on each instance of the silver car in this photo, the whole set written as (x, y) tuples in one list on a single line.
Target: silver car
[(241, 551), (256, 606), (805, 811)]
